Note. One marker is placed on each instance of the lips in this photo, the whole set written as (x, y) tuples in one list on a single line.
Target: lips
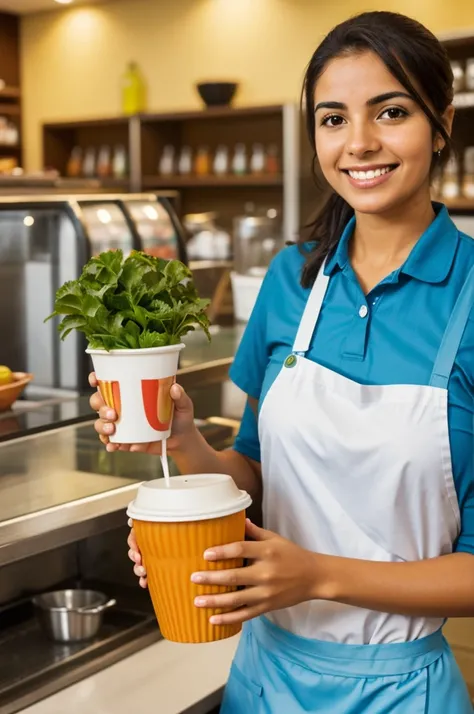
[(371, 176)]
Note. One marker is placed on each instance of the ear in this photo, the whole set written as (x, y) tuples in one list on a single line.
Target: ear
[(448, 118)]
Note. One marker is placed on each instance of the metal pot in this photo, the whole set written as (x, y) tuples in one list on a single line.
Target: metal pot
[(71, 615)]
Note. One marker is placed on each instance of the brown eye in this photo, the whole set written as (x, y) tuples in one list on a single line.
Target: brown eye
[(332, 120), (394, 113)]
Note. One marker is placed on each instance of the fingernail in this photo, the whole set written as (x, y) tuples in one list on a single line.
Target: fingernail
[(210, 555), (175, 390), (196, 578), (215, 620), (108, 428), (140, 571), (200, 602), (130, 523), (110, 414)]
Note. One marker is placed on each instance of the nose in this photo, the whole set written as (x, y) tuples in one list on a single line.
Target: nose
[(362, 139)]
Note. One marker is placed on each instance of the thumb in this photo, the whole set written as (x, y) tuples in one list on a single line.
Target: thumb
[(257, 533), (182, 403)]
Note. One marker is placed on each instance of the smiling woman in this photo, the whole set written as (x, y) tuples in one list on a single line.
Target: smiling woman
[(359, 429), (389, 132)]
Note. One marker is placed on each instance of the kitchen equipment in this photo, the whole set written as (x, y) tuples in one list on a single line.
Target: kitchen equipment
[(71, 615), (216, 94), (245, 289), (9, 393), (256, 240)]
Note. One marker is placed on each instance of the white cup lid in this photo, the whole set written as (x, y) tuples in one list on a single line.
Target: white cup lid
[(188, 498)]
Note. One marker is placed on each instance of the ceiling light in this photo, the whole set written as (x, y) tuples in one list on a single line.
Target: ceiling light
[(64, 2)]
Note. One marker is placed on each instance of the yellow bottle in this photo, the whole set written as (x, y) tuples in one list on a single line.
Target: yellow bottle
[(133, 90)]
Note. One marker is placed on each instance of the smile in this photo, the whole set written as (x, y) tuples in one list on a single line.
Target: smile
[(370, 177)]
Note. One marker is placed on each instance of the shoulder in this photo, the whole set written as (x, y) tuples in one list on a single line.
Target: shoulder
[(465, 257), (287, 265)]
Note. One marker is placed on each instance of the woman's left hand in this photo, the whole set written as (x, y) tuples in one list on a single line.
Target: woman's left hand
[(280, 575)]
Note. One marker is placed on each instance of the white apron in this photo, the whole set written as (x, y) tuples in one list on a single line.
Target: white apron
[(361, 472)]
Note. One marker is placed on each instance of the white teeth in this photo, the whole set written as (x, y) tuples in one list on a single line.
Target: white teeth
[(367, 175)]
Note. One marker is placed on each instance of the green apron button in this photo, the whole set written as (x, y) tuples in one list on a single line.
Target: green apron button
[(290, 361)]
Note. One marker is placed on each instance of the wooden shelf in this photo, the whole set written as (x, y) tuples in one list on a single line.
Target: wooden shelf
[(211, 181), (14, 148), (10, 93), (86, 123), (458, 204), (213, 113), (10, 109)]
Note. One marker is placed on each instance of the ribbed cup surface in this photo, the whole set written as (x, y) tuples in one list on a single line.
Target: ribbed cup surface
[(171, 553)]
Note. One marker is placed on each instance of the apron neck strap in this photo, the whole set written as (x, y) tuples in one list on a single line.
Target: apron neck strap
[(311, 313), (453, 334)]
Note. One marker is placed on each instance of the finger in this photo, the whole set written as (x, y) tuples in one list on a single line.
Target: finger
[(104, 427), (124, 447), (139, 571), (232, 577), (96, 402), (92, 379), (104, 439), (257, 533), (182, 403), (139, 448), (245, 549), (132, 542), (135, 556), (231, 601), (112, 447), (107, 414), (143, 582), (237, 616)]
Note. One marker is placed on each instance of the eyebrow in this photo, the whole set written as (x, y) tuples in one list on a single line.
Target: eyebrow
[(379, 99)]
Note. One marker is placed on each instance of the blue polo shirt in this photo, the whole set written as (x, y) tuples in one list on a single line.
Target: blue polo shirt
[(393, 340)]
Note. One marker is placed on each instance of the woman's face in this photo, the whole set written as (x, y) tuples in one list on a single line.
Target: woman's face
[(374, 143)]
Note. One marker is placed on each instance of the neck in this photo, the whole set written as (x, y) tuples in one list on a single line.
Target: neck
[(385, 241)]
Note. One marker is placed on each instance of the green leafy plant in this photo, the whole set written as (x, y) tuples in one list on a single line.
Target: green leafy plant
[(138, 302)]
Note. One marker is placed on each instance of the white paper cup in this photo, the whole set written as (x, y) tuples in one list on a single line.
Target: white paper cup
[(137, 383), (174, 526)]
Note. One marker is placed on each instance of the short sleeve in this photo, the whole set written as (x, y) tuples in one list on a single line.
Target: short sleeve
[(250, 362), (247, 441)]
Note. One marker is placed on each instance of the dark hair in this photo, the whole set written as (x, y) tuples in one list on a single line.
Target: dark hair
[(406, 48)]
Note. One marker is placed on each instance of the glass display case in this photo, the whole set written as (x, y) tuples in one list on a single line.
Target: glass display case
[(45, 241)]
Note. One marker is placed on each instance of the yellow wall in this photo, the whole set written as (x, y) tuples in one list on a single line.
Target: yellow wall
[(72, 59)]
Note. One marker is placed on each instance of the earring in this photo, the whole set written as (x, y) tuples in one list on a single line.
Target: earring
[(439, 153)]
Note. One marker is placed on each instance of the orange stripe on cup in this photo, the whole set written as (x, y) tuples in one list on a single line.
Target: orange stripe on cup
[(110, 393), (157, 402)]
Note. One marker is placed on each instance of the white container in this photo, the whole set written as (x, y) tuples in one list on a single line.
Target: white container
[(199, 497), (245, 289), (137, 383)]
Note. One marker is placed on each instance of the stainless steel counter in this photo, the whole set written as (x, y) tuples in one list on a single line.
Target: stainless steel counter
[(61, 485)]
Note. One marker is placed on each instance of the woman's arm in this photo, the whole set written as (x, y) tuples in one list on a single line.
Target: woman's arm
[(200, 457), (438, 587), (282, 574)]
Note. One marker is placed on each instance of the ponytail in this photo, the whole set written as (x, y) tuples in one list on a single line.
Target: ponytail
[(326, 231)]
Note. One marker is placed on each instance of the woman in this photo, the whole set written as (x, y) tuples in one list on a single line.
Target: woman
[(358, 365)]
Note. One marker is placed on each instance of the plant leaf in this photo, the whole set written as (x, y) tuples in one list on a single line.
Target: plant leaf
[(153, 339)]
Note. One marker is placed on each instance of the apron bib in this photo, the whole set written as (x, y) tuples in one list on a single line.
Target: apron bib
[(358, 471)]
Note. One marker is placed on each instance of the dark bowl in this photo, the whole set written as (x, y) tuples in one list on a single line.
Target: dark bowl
[(217, 94)]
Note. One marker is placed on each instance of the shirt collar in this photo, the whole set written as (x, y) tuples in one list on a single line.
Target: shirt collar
[(429, 261)]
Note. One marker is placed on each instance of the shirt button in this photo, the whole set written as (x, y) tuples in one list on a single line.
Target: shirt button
[(363, 311)]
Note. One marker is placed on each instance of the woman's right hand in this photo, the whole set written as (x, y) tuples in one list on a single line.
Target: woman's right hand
[(135, 556), (182, 426)]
